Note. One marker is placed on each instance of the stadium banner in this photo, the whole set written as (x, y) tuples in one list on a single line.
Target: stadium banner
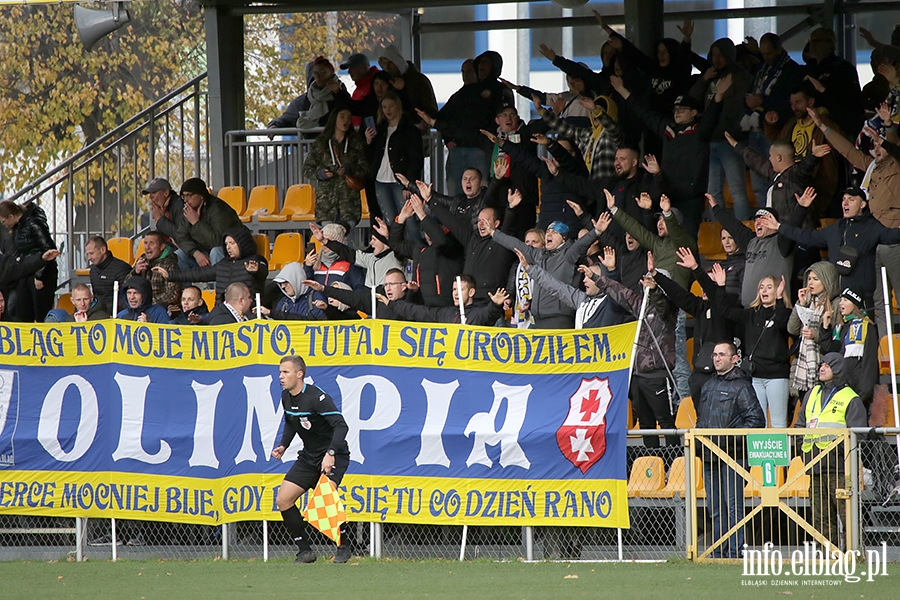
[(448, 424)]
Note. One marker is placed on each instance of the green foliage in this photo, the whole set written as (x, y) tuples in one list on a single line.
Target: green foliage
[(55, 96)]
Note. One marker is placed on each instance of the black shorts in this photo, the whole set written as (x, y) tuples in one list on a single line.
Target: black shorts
[(306, 472)]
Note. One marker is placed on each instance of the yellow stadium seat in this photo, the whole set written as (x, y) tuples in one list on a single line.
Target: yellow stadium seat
[(364, 200), (303, 200), (235, 197), (263, 200), (122, 248), (262, 244), (823, 223), (749, 224), (288, 248), (209, 296), (709, 242), (674, 481), (799, 488), (294, 201), (140, 249), (647, 475), (686, 417), (65, 302), (884, 357), (83, 272), (696, 289), (754, 486), (630, 417)]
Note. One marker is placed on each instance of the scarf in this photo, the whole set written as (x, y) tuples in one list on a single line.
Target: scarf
[(521, 317), (863, 142), (762, 85), (805, 368), (318, 103)]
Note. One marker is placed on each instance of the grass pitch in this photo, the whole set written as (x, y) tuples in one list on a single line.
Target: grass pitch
[(366, 578)]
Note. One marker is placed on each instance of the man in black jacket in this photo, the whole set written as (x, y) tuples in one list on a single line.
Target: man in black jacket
[(235, 308), (106, 269), (685, 161), (87, 307), (480, 314), (836, 80), (312, 414), (486, 260), (436, 261), (727, 401)]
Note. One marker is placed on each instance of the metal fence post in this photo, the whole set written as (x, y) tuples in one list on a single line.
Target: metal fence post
[(529, 542), (462, 546), (689, 484), (224, 541), (114, 539), (854, 539), (79, 538), (265, 541), (377, 539)]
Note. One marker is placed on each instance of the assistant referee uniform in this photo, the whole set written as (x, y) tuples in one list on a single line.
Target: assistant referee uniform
[(313, 416)]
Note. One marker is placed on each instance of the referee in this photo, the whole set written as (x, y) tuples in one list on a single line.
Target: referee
[(310, 413)]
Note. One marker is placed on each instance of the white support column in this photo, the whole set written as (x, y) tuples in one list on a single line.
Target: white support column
[(79, 538), (523, 61), (568, 47), (224, 541), (462, 546), (265, 541), (114, 539), (529, 542), (505, 42)]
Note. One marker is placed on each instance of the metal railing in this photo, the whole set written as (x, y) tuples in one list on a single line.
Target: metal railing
[(665, 522), (97, 191), (276, 156)]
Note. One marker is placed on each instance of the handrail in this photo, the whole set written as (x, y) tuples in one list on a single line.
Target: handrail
[(107, 136)]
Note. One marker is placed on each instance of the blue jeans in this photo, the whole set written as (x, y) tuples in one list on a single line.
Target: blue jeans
[(773, 397), (186, 262), (682, 370), (759, 144), (458, 160), (725, 503), (725, 163), (390, 201)]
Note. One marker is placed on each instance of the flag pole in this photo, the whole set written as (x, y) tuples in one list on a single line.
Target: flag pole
[(374, 301), (258, 307), (459, 299), (115, 306), (889, 322)]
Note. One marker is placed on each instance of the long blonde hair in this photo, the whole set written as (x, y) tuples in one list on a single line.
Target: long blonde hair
[(757, 302)]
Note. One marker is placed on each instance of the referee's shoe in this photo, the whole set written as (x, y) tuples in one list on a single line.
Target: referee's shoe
[(305, 556), (343, 554)]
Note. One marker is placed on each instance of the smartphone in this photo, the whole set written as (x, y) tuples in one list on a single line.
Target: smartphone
[(310, 248), (370, 122)]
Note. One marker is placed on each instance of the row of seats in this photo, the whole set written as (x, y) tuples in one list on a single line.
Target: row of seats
[(288, 247), (299, 203), (649, 480)]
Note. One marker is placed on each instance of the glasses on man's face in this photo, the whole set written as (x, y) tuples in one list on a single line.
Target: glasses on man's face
[(721, 354)]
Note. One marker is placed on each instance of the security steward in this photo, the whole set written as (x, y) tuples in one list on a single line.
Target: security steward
[(310, 413), (830, 404)]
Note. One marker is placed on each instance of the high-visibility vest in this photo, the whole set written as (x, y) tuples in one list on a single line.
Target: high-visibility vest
[(834, 415)]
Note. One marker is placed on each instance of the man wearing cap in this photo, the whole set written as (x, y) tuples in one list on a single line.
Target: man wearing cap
[(686, 143), (767, 254), (856, 339), (357, 67), (166, 206), (416, 85), (206, 219), (851, 241), (558, 259), (830, 404), (880, 182)]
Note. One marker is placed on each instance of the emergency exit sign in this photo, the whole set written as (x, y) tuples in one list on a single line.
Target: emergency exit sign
[(768, 447)]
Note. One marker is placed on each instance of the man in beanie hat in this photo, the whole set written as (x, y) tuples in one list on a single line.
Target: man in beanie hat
[(855, 338), (206, 219), (831, 404), (558, 258)]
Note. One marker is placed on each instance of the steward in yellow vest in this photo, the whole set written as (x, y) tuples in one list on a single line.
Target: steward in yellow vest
[(831, 404)]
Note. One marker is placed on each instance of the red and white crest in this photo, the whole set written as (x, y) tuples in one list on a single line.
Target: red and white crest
[(582, 435)]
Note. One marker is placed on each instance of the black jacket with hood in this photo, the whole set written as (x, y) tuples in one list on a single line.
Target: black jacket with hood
[(436, 265), (729, 402), (231, 270), (734, 102)]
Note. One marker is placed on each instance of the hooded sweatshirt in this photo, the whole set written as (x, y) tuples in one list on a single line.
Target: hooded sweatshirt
[(231, 270), (733, 103), (416, 84), (805, 367), (301, 302), (154, 312)]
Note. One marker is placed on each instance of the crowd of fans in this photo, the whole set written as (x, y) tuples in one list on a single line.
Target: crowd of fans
[(562, 221)]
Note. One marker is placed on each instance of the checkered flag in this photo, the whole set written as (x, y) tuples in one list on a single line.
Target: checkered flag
[(324, 509)]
